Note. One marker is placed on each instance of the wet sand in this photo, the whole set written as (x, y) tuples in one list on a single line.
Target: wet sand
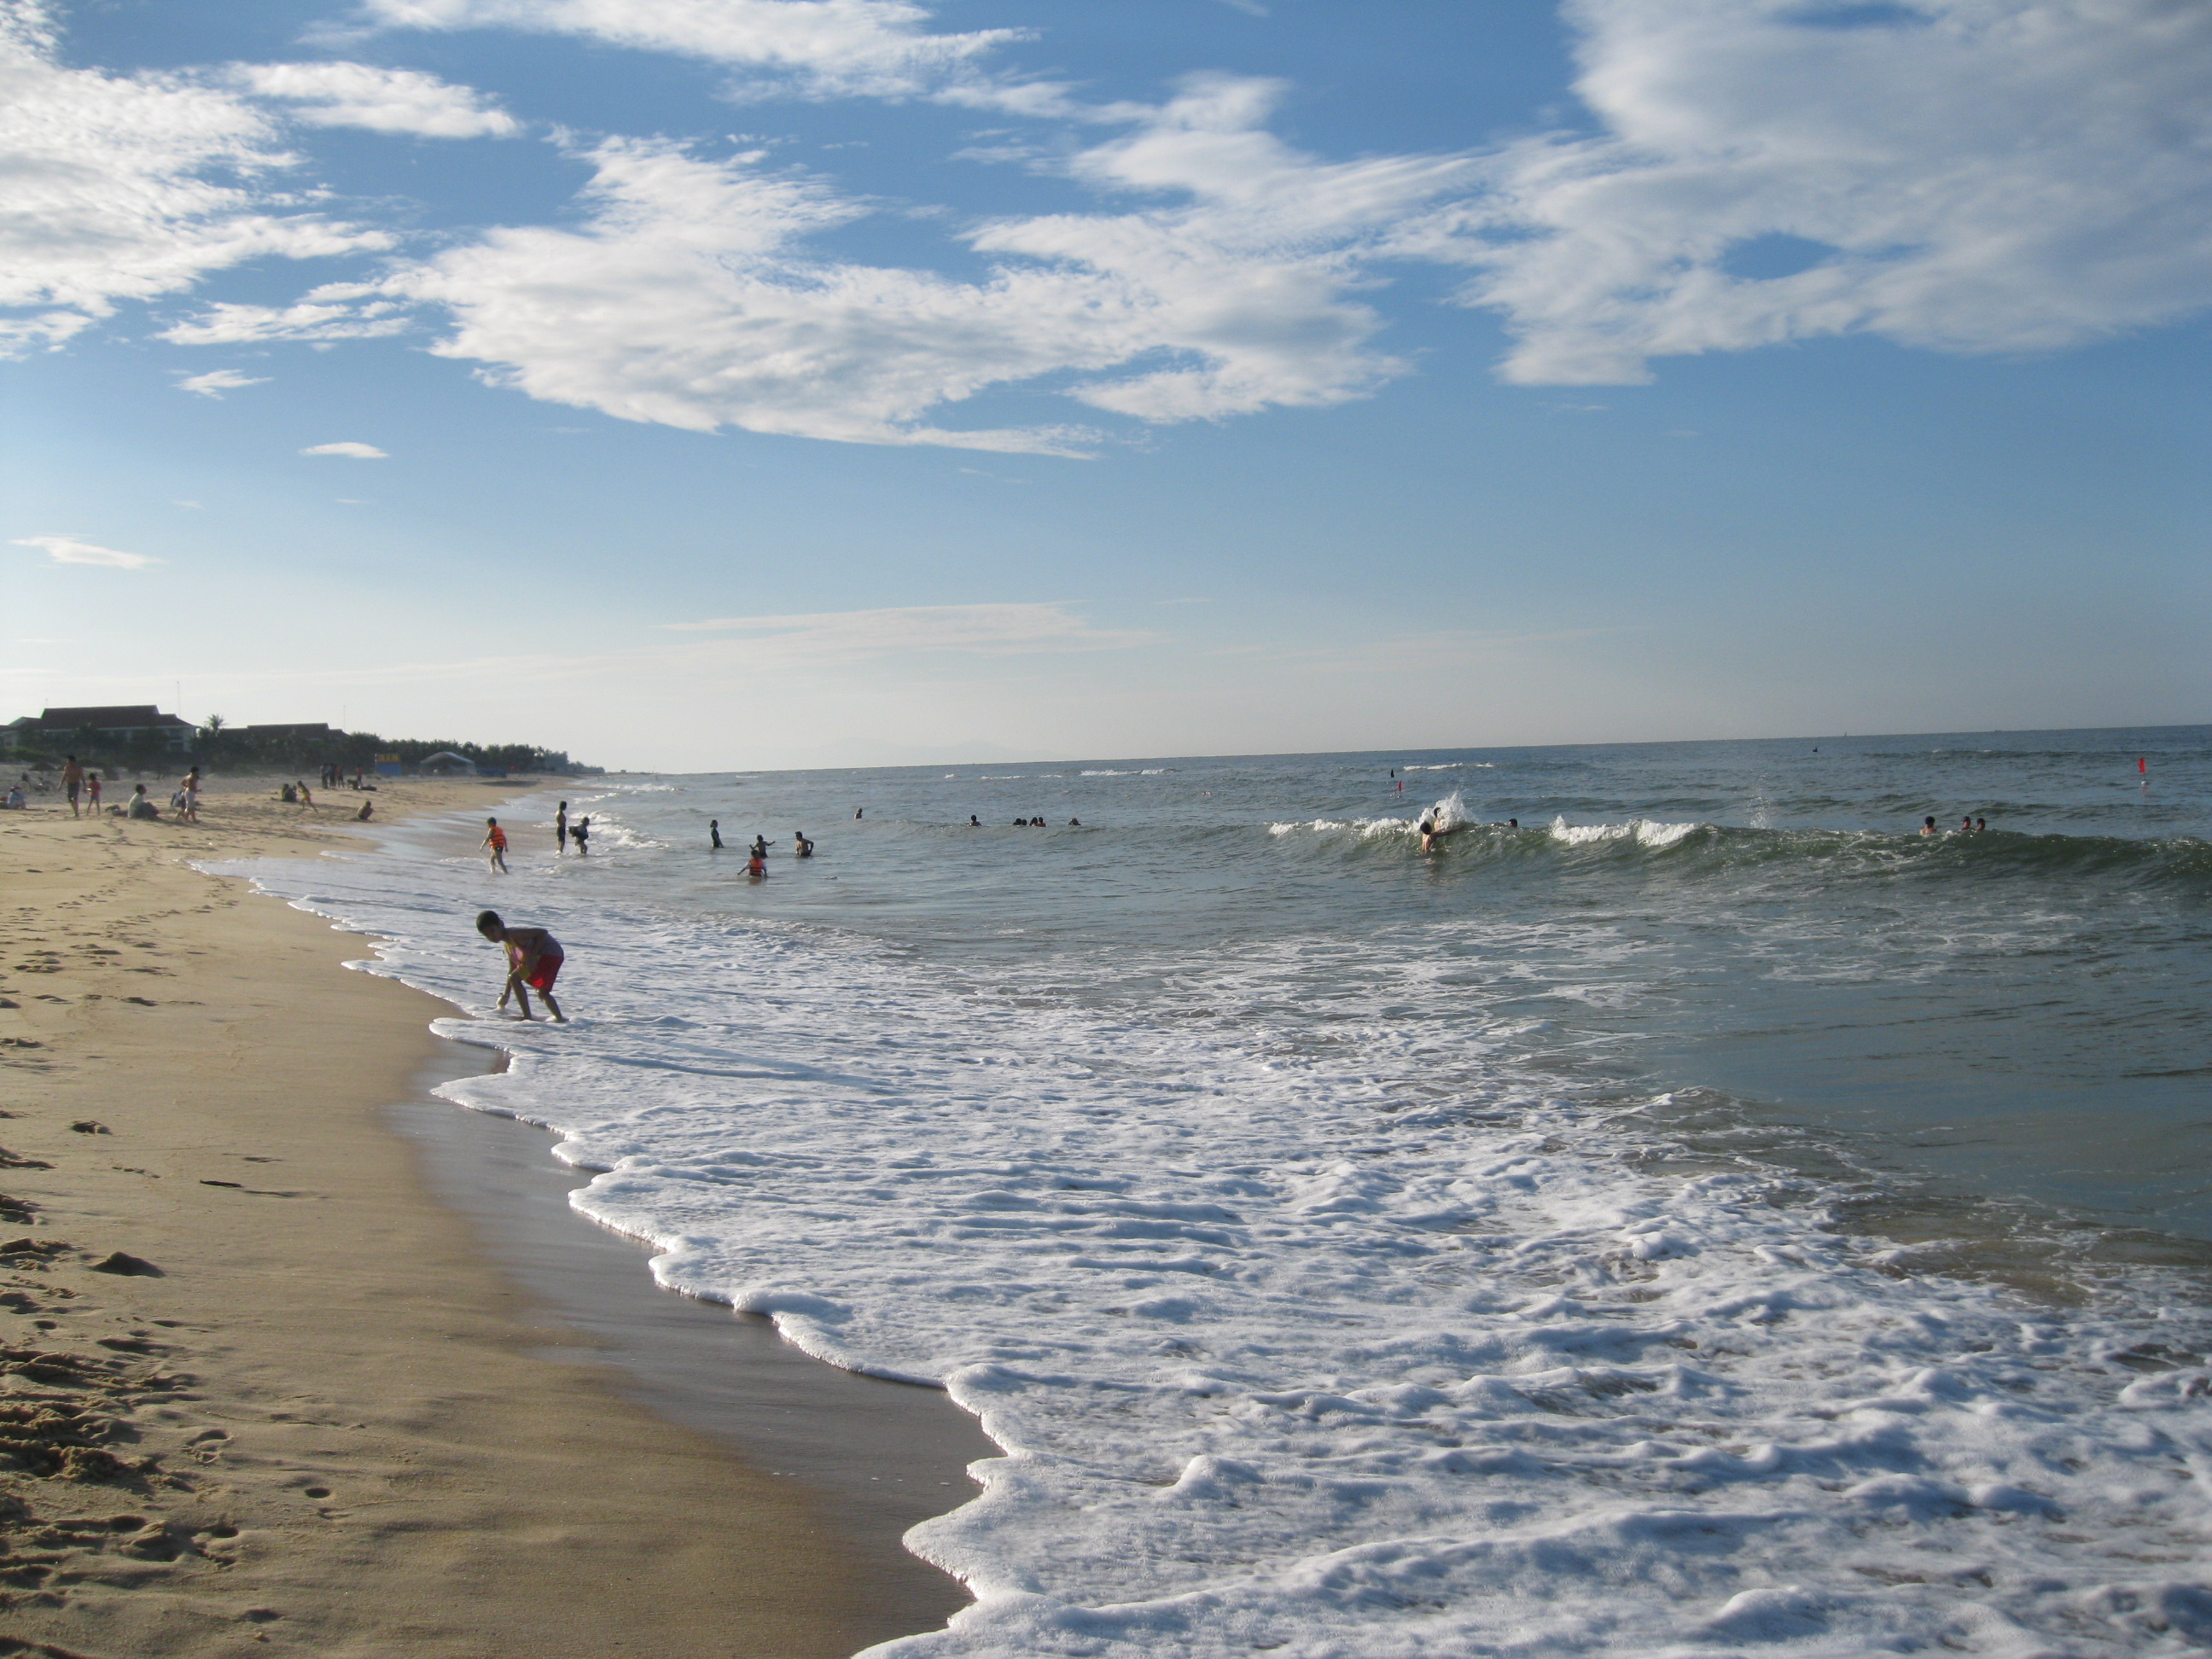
[(262, 1390)]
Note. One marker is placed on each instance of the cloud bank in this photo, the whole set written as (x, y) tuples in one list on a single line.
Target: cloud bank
[(690, 296), (1955, 175), (352, 451), (1959, 175)]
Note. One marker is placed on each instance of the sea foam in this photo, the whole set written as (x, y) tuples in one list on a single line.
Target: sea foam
[(1289, 1352)]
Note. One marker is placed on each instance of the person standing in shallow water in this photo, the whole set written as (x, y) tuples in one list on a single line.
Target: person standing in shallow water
[(580, 833), (714, 833), (560, 828), (494, 846)]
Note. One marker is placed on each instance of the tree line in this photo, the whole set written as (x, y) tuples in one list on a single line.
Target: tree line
[(218, 746)]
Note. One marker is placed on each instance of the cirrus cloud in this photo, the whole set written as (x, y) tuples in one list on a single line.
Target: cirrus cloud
[(342, 95), (119, 187), (839, 636), (689, 295), (71, 549), (816, 48), (218, 381)]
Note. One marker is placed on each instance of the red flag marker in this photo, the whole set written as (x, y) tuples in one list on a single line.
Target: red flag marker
[(2142, 765)]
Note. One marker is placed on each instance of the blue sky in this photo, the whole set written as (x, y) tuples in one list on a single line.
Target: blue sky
[(725, 383)]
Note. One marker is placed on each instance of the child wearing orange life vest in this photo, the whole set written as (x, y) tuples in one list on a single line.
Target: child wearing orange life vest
[(494, 843)]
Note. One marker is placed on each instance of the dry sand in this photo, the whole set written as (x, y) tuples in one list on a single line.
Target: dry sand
[(259, 1392)]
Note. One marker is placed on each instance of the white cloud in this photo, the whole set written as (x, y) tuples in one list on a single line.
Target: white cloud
[(836, 636), (334, 311), (690, 297), (354, 451), (1967, 175), (115, 188), (819, 48), (382, 100), (68, 549), (218, 381)]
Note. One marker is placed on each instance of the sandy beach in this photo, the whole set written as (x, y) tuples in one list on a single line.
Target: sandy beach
[(261, 1391)]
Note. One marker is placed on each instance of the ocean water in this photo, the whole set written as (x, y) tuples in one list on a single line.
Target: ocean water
[(1708, 1218)]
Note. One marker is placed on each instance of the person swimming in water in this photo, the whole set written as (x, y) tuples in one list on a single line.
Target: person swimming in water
[(975, 823), (1430, 830), (757, 865), (1928, 825), (800, 847)]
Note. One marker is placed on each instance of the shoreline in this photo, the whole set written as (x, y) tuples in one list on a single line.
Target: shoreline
[(264, 1390), (874, 1456)]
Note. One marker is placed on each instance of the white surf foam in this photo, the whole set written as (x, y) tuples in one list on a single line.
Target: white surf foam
[(1644, 832), (1292, 1350)]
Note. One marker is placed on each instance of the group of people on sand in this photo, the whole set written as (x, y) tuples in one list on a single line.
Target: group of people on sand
[(83, 787), (1967, 826), (756, 855)]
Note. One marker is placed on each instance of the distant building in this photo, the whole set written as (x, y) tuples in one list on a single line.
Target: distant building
[(446, 762), (301, 732), (136, 722)]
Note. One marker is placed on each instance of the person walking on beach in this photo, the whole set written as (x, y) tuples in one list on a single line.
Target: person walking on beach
[(494, 846), (72, 781), (560, 828), (534, 962), (307, 797), (92, 791), (188, 797)]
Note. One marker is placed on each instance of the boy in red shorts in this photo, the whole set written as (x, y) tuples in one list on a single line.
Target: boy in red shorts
[(533, 961)]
